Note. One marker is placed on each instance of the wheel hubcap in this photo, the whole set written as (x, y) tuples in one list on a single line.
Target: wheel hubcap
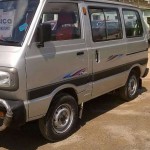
[(132, 86), (62, 118)]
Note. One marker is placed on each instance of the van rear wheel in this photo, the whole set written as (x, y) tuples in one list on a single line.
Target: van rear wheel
[(61, 118), (130, 90)]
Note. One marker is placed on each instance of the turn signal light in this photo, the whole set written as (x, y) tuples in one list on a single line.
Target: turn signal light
[(84, 10)]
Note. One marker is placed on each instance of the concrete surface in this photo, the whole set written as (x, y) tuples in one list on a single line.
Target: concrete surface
[(109, 123)]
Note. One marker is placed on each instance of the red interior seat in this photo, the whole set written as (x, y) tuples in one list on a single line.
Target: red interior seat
[(65, 26)]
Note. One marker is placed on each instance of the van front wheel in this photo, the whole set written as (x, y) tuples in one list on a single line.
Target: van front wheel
[(130, 90), (61, 118)]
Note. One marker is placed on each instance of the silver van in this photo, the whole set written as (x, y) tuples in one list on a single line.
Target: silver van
[(55, 55)]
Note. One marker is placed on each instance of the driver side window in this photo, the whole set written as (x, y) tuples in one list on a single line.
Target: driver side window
[(64, 21)]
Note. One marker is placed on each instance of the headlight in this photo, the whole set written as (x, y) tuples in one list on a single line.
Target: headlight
[(4, 79), (9, 79)]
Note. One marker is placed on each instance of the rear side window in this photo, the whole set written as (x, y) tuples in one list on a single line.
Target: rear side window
[(64, 20), (105, 24), (133, 23)]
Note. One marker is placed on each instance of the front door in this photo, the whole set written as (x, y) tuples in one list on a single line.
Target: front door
[(64, 58)]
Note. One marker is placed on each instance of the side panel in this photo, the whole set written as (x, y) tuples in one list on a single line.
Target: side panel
[(108, 70), (56, 62), (137, 46)]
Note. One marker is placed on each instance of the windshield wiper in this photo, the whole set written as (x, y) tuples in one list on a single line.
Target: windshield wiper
[(9, 41)]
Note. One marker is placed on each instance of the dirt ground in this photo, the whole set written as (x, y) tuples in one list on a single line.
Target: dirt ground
[(108, 123)]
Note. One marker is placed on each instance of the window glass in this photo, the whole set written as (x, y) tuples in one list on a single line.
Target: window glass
[(64, 20), (133, 23), (113, 24), (105, 23), (98, 24)]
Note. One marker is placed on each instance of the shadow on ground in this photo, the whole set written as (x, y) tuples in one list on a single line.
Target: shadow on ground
[(25, 138), (99, 106), (28, 137)]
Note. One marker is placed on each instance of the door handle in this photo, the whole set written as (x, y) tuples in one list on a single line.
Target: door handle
[(97, 56), (80, 53)]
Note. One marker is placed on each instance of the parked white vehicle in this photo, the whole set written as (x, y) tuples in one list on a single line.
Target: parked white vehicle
[(53, 59)]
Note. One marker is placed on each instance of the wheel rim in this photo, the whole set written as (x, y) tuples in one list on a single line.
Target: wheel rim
[(132, 86), (62, 118)]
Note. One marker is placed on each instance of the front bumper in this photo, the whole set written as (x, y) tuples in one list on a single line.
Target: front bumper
[(14, 113)]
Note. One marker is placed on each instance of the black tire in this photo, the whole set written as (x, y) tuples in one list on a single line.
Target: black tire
[(130, 92), (61, 119)]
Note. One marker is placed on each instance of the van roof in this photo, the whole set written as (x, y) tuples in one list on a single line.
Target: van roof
[(98, 1)]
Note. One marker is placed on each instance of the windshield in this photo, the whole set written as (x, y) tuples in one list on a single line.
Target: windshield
[(15, 19)]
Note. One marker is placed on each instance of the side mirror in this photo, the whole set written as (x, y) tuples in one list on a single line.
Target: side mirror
[(44, 34)]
